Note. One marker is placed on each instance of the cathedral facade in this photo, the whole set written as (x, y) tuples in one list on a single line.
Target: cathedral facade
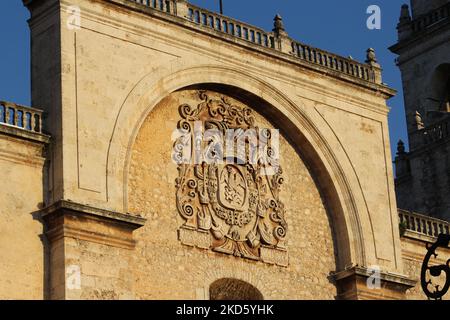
[(175, 153)]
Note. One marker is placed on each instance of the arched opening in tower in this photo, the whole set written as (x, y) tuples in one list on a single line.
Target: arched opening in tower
[(440, 88)]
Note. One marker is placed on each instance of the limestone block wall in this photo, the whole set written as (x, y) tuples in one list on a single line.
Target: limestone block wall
[(105, 272), (105, 76), (164, 268), (22, 247)]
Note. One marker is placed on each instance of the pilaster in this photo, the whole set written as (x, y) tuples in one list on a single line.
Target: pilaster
[(89, 251)]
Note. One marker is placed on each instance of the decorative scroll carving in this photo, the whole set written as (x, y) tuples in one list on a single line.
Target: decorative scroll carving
[(232, 195)]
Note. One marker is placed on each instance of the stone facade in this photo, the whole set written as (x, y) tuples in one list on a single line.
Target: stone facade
[(152, 194), (423, 173), (114, 78), (23, 260)]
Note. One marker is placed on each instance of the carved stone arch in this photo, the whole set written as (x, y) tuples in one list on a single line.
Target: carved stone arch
[(323, 155)]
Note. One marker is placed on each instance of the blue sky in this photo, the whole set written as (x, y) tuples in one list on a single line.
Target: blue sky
[(336, 26)]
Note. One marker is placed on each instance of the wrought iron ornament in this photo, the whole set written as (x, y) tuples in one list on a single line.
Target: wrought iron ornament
[(435, 271)]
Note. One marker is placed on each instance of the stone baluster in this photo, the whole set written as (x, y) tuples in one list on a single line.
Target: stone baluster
[(16, 117), (422, 225), (428, 230), (35, 126), (25, 120), (434, 229), (32, 121), (7, 114), (413, 223), (408, 222)]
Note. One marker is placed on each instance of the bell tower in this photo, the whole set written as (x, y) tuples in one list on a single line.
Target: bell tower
[(423, 173)]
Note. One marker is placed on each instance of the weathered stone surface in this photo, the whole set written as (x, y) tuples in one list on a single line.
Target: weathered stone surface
[(111, 88), (22, 246), (423, 173), (152, 193), (89, 251), (360, 283)]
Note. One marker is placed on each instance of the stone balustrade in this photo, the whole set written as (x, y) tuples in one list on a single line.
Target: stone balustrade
[(168, 6), (22, 117), (332, 61), (423, 225), (429, 19), (436, 132), (260, 38), (230, 26)]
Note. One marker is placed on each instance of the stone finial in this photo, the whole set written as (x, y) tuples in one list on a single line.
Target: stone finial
[(400, 147), (371, 60), (404, 26), (371, 57), (278, 25), (402, 164), (404, 14), (418, 120)]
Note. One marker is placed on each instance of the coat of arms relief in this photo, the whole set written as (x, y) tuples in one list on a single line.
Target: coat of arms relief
[(229, 182)]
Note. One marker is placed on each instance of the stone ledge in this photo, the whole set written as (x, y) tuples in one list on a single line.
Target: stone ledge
[(66, 219), (419, 236), (93, 211), (364, 271), (24, 134), (352, 284)]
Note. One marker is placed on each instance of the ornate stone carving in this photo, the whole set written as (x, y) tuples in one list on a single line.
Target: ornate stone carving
[(232, 195)]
